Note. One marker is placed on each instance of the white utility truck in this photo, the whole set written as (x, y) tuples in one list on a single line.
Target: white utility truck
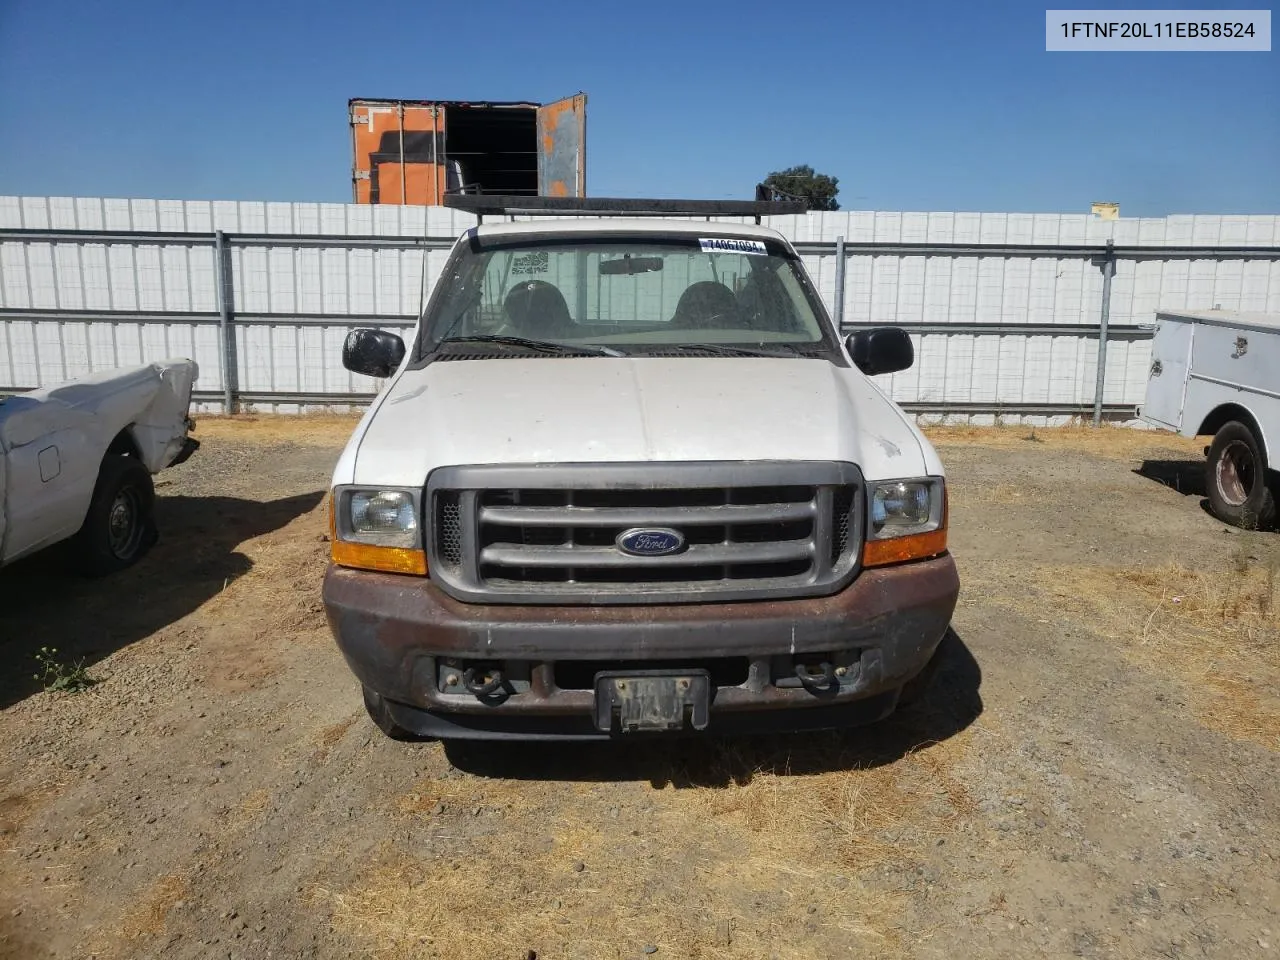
[(76, 461), (626, 477), (1217, 373)]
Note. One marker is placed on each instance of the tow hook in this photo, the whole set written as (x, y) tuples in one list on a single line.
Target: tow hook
[(818, 683), (476, 684)]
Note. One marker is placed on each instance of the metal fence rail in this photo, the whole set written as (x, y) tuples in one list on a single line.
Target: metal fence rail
[(1012, 315)]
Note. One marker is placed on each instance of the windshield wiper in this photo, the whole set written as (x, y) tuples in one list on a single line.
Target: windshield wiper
[(728, 350), (544, 346)]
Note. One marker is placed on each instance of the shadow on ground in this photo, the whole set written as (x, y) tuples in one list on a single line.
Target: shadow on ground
[(951, 704), (1188, 478), (46, 605), (1185, 476)]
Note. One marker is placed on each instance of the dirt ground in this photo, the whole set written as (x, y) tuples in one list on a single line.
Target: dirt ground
[(1095, 774)]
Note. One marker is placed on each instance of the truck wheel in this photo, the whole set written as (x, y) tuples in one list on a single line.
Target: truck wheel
[(381, 716), (119, 527), (1236, 479)]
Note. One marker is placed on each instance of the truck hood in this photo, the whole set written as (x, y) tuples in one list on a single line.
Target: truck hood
[(565, 410)]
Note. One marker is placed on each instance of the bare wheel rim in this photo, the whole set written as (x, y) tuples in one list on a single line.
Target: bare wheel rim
[(1236, 472), (124, 526)]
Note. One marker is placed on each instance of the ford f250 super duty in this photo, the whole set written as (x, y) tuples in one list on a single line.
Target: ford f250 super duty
[(627, 478)]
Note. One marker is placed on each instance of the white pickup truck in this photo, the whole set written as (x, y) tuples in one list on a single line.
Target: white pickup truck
[(627, 478), (76, 461)]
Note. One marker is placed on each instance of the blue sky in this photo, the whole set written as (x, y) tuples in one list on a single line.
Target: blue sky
[(914, 106)]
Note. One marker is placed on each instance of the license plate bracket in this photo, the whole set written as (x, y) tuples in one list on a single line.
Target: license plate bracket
[(652, 700)]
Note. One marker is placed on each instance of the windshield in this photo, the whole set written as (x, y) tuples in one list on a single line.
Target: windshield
[(629, 294)]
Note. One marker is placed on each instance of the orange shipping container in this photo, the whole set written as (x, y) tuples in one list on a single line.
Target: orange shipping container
[(417, 151)]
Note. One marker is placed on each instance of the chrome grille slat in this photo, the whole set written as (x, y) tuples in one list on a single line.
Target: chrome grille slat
[(718, 554), (548, 533), (646, 516)]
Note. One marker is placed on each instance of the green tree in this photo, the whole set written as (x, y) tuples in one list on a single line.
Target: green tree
[(816, 189)]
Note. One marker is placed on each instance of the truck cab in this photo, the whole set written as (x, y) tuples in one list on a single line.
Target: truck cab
[(626, 478)]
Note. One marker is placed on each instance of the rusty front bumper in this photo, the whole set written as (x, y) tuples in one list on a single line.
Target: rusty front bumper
[(408, 641)]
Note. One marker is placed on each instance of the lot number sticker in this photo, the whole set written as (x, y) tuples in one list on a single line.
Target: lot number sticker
[(727, 245)]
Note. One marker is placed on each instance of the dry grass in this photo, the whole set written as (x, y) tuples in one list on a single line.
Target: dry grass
[(773, 861), (507, 798), (18, 805), (283, 585), (147, 916), (334, 732), (258, 620), (288, 567), (329, 737), (1003, 493), (327, 429), (867, 815), (1215, 632), (248, 810), (507, 897), (1112, 442)]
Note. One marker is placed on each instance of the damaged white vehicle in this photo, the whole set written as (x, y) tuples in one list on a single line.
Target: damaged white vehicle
[(76, 461)]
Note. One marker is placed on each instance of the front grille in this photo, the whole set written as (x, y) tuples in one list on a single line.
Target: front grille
[(842, 517), (569, 536), (550, 534), (448, 528)]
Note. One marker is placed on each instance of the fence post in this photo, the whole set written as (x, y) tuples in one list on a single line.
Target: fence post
[(226, 297), (837, 314), (1108, 271)]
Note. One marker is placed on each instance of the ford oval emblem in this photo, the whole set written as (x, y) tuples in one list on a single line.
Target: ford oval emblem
[(650, 541)]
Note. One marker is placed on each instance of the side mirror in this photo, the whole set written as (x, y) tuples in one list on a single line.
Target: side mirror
[(881, 350), (374, 353)]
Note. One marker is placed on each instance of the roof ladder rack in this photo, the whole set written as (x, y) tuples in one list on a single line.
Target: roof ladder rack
[(502, 205)]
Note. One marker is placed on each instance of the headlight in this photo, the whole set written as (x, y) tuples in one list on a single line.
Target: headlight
[(903, 507), (378, 529), (908, 521), (387, 515)]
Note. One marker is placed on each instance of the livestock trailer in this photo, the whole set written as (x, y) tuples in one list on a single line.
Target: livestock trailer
[(1217, 373)]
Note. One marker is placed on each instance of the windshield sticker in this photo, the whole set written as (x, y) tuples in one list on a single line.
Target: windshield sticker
[(726, 245), (531, 263)]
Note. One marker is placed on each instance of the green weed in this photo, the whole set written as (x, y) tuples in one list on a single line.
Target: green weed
[(55, 675)]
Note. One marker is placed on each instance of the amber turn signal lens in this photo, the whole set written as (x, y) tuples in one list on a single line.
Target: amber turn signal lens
[(364, 556), (917, 546)]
